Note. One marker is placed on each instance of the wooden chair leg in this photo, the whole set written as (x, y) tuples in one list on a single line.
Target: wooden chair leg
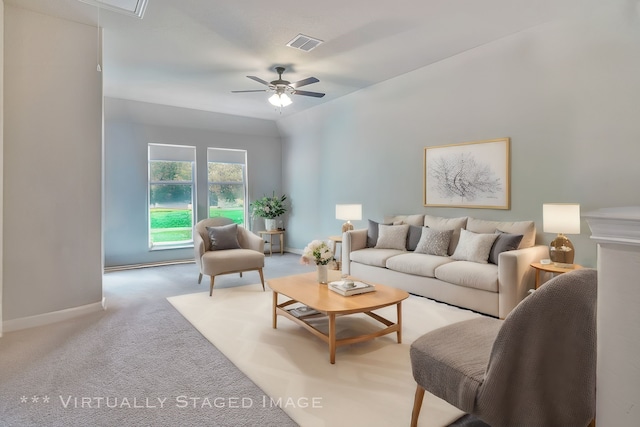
[(200, 278), (261, 278), (211, 287), (417, 405), (592, 423)]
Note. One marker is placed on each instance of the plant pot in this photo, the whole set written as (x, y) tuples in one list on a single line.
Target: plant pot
[(323, 274), (270, 224)]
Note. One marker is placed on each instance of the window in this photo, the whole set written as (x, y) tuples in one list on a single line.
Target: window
[(171, 195), (227, 180)]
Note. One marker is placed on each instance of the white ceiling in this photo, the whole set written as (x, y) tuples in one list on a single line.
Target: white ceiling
[(192, 53)]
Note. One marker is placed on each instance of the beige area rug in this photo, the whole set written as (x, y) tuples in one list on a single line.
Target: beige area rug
[(370, 384)]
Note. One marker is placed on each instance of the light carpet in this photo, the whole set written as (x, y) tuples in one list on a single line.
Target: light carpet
[(371, 383)]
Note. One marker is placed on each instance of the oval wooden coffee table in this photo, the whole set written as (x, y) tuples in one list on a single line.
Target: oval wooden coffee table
[(305, 289)]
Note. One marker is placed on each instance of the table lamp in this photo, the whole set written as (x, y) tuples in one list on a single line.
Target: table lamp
[(348, 213), (561, 218)]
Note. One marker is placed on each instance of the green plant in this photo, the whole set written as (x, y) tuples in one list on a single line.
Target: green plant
[(269, 206)]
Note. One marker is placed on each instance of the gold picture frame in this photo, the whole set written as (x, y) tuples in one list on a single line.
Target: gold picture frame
[(468, 175)]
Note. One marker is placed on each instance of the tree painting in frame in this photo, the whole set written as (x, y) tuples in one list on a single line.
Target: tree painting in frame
[(468, 175)]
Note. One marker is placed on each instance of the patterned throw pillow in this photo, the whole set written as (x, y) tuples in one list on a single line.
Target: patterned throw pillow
[(223, 237), (392, 236), (474, 247), (434, 242)]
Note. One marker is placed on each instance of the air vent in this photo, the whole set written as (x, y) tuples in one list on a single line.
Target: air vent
[(126, 7), (303, 42)]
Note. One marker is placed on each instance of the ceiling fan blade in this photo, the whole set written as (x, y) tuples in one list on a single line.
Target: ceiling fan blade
[(259, 80), (304, 82), (257, 90), (307, 93)]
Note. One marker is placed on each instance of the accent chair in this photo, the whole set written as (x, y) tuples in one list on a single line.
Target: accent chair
[(223, 247), (537, 367)]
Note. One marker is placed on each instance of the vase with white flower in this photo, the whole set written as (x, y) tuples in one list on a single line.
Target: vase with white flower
[(269, 208), (320, 254)]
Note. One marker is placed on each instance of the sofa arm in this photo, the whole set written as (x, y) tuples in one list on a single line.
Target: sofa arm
[(516, 276), (352, 240), (250, 240)]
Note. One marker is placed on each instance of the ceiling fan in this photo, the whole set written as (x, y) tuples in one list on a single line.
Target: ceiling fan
[(282, 88)]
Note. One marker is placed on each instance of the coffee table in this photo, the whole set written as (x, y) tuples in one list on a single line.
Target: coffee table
[(305, 289)]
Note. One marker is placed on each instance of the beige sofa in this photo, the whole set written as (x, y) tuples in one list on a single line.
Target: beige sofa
[(493, 289)]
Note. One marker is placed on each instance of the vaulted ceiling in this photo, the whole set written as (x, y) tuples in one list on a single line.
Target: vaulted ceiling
[(193, 53)]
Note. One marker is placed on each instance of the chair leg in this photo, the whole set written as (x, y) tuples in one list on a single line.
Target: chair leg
[(241, 274), (417, 405), (261, 279), (200, 278), (211, 287)]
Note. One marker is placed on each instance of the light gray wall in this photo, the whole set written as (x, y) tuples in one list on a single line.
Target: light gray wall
[(566, 93), (130, 126), (1, 146), (52, 165)]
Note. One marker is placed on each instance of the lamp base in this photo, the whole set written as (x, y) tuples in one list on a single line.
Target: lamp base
[(347, 226), (561, 251)]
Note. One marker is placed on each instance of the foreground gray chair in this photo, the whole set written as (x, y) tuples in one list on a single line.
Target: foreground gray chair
[(535, 368), (248, 254)]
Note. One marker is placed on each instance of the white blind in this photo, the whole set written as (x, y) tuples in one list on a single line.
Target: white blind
[(175, 153), (226, 155)]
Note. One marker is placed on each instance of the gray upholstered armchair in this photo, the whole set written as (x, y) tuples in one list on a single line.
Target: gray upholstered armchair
[(222, 247), (535, 368)]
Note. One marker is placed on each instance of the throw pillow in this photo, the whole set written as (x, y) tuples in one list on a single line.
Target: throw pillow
[(434, 242), (223, 237), (392, 236), (474, 246), (505, 242), (372, 234), (413, 237)]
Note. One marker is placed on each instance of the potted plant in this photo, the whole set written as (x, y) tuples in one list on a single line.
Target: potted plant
[(269, 208)]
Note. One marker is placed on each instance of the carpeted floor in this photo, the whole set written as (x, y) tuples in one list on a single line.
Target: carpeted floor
[(137, 363)]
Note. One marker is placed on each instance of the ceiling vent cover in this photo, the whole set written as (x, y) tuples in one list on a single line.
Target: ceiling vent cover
[(126, 7), (303, 42)]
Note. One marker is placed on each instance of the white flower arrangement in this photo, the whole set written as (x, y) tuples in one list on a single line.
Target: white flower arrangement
[(317, 252)]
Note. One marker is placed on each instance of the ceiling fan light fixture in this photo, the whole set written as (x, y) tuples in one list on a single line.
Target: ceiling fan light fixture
[(280, 100)]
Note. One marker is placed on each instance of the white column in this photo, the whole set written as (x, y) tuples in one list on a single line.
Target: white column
[(617, 232)]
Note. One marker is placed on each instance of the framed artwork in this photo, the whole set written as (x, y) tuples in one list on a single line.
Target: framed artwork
[(468, 175)]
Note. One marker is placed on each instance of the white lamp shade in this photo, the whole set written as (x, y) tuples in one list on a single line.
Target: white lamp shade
[(349, 212), (561, 218), (280, 100)]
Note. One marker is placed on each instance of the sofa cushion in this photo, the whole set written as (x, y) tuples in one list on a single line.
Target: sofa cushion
[(474, 247), (469, 274), (434, 242), (374, 257), (405, 219), (417, 264), (505, 242), (526, 228), (223, 237), (392, 236), (413, 237), (372, 233), (441, 223)]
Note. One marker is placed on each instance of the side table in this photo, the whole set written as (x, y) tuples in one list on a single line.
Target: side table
[(551, 268), (335, 240), (272, 233)]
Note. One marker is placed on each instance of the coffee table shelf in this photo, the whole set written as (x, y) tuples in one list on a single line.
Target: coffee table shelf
[(303, 288)]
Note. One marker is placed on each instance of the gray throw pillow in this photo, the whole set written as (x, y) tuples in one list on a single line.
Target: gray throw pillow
[(413, 237), (372, 234), (223, 237), (474, 247), (434, 242), (505, 242)]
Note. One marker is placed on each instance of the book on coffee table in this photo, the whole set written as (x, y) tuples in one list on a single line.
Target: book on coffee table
[(348, 288), (303, 311)]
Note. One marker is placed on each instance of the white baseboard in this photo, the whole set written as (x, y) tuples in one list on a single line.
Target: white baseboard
[(53, 317)]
